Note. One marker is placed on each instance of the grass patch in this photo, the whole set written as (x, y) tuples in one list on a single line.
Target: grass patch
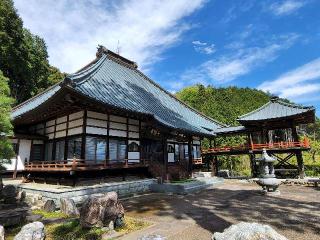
[(183, 180), (71, 230), (132, 224), (50, 215)]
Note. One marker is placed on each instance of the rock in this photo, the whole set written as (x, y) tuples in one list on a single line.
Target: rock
[(21, 196), (1, 232), (224, 173), (31, 231), (68, 207), (248, 231), (49, 206), (9, 193), (102, 211), (34, 217), (12, 217)]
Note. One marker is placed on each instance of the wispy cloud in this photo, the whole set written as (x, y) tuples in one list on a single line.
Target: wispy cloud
[(297, 84), (238, 8), (229, 67), (286, 7), (73, 29), (203, 47)]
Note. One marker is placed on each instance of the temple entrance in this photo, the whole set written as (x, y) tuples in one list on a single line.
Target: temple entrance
[(152, 150)]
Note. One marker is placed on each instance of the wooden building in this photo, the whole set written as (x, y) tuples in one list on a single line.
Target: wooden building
[(106, 116), (273, 127)]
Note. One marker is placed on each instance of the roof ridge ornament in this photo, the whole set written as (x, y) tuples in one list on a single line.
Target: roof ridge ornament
[(115, 56), (274, 98)]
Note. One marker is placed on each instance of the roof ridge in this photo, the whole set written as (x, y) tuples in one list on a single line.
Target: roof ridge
[(117, 57), (294, 105), (77, 78), (276, 100)]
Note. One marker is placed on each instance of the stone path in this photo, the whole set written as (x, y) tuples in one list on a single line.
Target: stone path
[(295, 213)]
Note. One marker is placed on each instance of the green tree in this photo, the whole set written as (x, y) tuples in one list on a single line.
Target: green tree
[(6, 151), (23, 56)]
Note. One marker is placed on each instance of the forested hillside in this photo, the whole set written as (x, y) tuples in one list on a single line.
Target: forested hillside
[(223, 104)]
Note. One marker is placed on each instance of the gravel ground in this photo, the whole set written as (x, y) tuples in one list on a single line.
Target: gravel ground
[(295, 213)]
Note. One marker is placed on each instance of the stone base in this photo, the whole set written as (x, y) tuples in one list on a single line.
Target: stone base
[(79, 194), (271, 193)]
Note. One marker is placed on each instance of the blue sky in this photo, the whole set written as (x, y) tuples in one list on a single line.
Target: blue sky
[(270, 45)]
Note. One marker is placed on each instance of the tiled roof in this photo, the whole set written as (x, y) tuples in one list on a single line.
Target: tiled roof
[(116, 81), (225, 130), (274, 109), (34, 102)]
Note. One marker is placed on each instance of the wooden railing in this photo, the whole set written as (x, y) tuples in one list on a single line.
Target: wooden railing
[(197, 161), (81, 164), (255, 146)]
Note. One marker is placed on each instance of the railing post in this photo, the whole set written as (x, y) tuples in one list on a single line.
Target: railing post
[(74, 163)]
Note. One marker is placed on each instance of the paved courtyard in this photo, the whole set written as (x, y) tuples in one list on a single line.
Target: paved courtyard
[(295, 213)]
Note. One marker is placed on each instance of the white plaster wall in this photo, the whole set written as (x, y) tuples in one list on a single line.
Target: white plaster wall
[(94, 130), (117, 133), (97, 115), (133, 157), (170, 157), (24, 154)]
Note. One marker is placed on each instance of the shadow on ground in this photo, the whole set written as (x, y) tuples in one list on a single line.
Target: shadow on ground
[(297, 210)]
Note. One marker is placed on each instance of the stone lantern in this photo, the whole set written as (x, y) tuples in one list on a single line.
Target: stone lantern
[(267, 179)]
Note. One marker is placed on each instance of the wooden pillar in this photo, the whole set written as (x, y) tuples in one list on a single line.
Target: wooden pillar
[(253, 165), (215, 163), (16, 163), (215, 168), (298, 153), (190, 155), (165, 157), (65, 141), (83, 141)]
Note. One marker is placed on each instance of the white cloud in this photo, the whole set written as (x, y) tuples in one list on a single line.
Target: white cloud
[(286, 7), (203, 47), (302, 82), (228, 67), (73, 29), (199, 43)]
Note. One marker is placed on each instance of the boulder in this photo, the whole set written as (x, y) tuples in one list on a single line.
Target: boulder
[(9, 193), (49, 206), (224, 173), (11, 217), (1, 232), (248, 231), (103, 211), (68, 207), (31, 231)]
